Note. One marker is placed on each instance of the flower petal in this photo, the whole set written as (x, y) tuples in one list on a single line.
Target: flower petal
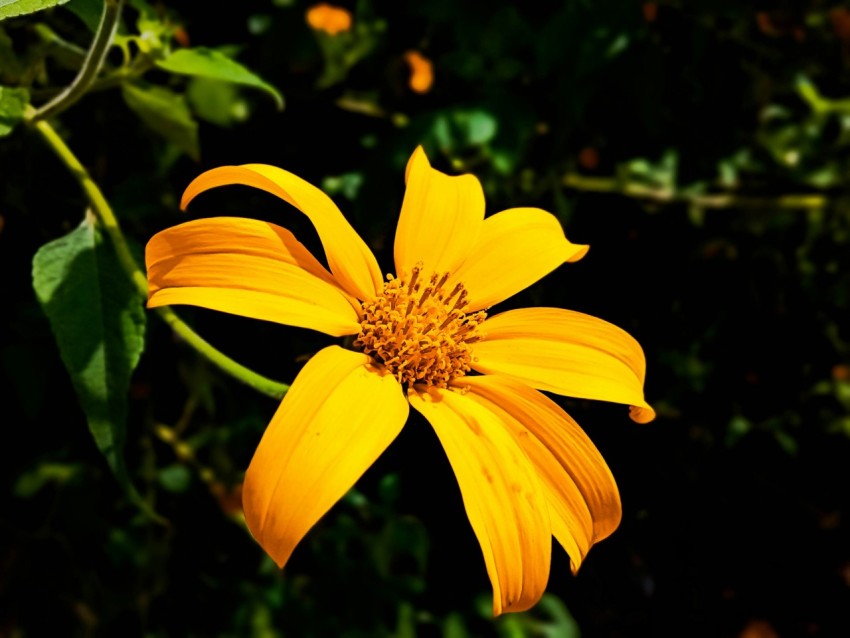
[(501, 493), (440, 218), (338, 417), (349, 258), (567, 353), (522, 245), (248, 268), (584, 503)]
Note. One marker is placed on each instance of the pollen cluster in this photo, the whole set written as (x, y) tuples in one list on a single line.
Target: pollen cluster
[(419, 330)]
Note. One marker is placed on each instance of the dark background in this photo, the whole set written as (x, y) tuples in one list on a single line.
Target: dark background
[(664, 135)]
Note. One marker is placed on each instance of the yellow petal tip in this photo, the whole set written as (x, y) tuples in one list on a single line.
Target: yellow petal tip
[(640, 414), (580, 252), (418, 155)]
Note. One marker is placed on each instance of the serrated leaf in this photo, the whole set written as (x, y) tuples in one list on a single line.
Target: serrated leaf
[(215, 65), (98, 319), (166, 113), (12, 8), (12, 105)]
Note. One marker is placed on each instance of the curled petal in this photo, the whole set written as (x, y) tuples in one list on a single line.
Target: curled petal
[(440, 218), (248, 268), (338, 417), (567, 353), (349, 258), (501, 493), (584, 503), (522, 245)]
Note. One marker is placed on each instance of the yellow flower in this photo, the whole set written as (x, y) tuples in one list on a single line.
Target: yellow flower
[(421, 71), (526, 470), (328, 18)]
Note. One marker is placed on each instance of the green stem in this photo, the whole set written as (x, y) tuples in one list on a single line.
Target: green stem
[(91, 65), (122, 75), (616, 186), (107, 219), (53, 39), (262, 384)]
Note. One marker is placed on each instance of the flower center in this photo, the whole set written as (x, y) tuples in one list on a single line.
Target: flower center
[(419, 330)]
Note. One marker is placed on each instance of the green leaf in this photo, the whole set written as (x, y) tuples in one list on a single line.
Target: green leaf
[(10, 67), (347, 184), (166, 113), (403, 541), (561, 622), (480, 126), (12, 8), (454, 627), (32, 481), (406, 624), (98, 319), (175, 478), (215, 65), (389, 488), (12, 105), (89, 11), (786, 442), (217, 102)]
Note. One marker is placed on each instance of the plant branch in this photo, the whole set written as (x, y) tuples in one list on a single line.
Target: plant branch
[(801, 201), (228, 497), (141, 65), (91, 65), (106, 218)]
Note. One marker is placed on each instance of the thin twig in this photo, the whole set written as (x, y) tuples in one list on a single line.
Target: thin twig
[(799, 201), (91, 65)]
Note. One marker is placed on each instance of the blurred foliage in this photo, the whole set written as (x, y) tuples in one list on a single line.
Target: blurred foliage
[(702, 149)]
